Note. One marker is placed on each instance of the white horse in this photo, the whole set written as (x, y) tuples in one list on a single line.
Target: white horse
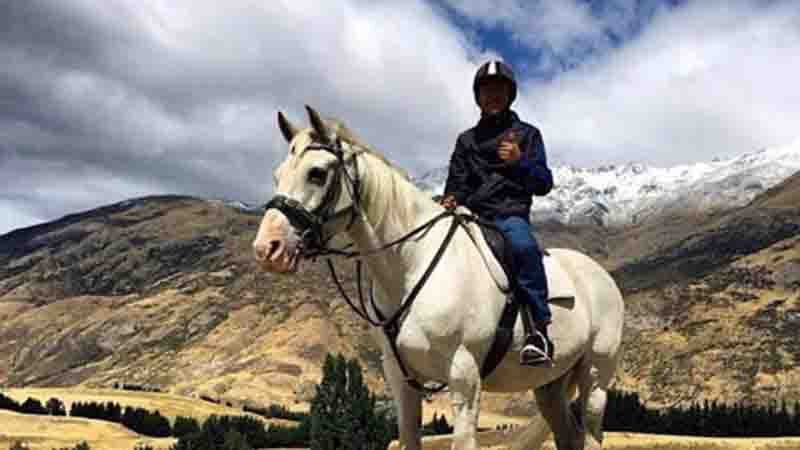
[(333, 185)]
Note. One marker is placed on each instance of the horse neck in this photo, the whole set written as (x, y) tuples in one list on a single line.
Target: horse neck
[(392, 207)]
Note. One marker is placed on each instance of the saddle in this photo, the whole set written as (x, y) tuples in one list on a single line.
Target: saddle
[(501, 249)]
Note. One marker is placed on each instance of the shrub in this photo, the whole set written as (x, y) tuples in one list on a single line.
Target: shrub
[(9, 403), (33, 406), (216, 433), (185, 426), (82, 446), (55, 407)]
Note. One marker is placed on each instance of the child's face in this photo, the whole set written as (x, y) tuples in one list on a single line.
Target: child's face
[(493, 95)]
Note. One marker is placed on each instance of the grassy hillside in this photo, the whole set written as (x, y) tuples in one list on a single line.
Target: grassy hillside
[(169, 405), (46, 433), (716, 315)]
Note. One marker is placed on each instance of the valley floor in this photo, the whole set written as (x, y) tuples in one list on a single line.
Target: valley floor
[(635, 441), (46, 432)]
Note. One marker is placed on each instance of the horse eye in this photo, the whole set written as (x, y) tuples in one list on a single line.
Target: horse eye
[(317, 176)]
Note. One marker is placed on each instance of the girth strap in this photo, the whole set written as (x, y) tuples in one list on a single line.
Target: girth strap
[(391, 327)]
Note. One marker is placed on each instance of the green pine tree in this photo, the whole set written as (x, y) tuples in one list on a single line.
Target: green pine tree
[(344, 415), (325, 418), (33, 406), (55, 407), (185, 426), (235, 441)]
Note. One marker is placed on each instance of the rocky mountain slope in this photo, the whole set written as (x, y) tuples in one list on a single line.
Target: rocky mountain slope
[(716, 314), (163, 291)]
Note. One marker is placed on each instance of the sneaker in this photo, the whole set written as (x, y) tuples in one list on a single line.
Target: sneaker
[(537, 351)]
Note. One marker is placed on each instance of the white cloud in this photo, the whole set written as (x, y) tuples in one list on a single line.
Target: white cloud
[(105, 100), (181, 97), (699, 82), (13, 215)]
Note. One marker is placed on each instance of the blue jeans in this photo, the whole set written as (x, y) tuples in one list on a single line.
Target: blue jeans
[(532, 283)]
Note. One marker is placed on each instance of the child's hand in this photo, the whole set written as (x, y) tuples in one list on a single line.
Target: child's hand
[(509, 150), (449, 202)]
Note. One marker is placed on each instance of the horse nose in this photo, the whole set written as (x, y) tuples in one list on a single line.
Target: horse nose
[(265, 250)]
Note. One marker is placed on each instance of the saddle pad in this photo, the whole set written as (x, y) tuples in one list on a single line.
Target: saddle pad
[(559, 284)]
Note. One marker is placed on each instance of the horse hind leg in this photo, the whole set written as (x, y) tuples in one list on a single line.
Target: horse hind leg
[(596, 394), (594, 415), (554, 403), (532, 436), (590, 405)]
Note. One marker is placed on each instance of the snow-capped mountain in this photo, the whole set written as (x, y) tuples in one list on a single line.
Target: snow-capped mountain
[(631, 193), (250, 208)]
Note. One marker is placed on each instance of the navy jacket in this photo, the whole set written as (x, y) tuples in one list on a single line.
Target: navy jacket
[(489, 186)]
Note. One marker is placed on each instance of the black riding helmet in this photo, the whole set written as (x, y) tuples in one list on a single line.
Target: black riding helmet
[(495, 69)]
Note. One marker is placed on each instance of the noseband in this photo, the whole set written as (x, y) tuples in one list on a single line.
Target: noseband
[(310, 223)]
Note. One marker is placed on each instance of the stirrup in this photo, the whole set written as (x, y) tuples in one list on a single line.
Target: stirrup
[(532, 355)]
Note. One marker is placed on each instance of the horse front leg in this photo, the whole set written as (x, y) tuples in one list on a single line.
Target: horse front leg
[(465, 395), (408, 402)]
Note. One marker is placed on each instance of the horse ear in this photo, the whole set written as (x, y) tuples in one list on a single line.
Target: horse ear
[(318, 124), (289, 131)]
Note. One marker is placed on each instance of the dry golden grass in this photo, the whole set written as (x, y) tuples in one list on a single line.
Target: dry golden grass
[(493, 440), (46, 432), (168, 405), (634, 441), (440, 405), (787, 249)]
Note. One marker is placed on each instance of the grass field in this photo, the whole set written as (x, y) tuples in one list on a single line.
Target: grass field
[(169, 405), (634, 441), (45, 433)]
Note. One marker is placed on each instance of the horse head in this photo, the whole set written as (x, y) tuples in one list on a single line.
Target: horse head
[(316, 191)]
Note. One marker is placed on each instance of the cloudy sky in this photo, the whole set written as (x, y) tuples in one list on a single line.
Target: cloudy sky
[(103, 100)]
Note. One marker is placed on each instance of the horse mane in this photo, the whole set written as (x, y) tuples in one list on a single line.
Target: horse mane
[(345, 134), (392, 190)]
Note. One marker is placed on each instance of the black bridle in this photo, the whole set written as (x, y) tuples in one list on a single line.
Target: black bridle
[(311, 223)]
